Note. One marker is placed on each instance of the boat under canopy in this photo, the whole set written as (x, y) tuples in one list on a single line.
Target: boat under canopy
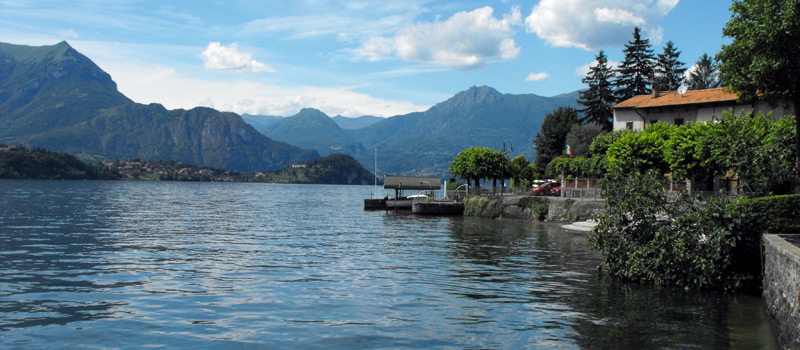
[(400, 183)]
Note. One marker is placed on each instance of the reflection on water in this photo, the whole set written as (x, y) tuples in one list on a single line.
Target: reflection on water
[(116, 264)]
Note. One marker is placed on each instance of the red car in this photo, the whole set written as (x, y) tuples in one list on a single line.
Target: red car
[(548, 189)]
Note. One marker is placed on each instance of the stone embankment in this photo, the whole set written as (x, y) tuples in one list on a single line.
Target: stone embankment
[(550, 209), (782, 287)]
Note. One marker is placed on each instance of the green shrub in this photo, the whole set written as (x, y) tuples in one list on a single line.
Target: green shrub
[(644, 237), (539, 206)]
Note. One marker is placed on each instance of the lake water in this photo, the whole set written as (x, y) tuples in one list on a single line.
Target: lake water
[(97, 264)]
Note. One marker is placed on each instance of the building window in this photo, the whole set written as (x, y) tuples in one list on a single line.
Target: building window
[(653, 121), (629, 125), (679, 121)]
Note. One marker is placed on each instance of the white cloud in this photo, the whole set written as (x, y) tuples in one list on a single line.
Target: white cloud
[(219, 57), (464, 41), (537, 76), (146, 83), (592, 24), (67, 34)]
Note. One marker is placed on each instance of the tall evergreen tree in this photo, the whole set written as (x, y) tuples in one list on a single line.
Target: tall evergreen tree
[(669, 71), (636, 71), (599, 97), (705, 74)]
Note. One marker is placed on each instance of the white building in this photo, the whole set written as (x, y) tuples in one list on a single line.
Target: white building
[(693, 106)]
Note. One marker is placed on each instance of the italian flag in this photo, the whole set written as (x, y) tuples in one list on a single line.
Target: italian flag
[(569, 150)]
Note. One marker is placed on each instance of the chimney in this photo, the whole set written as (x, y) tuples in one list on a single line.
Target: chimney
[(656, 90)]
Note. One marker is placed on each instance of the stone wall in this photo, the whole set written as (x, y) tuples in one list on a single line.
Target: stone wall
[(559, 210), (782, 288), (568, 210)]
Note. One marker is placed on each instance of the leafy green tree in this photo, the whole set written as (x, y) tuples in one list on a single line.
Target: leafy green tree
[(476, 163), (462, 165), (550, 142), (762, 61), (669, 70), (638, 152), (688, 154), (599, 96), (756, 148), (647, 238), (521, 171), (636, 70), (581, 136), (705, 74)]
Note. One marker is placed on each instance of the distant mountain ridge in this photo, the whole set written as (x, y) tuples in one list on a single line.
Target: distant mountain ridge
[(424, 143), (56, 98), (356, 123)]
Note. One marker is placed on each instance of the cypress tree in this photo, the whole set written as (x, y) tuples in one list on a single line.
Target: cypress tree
[(636, 71), (599, 97), (669, 71)]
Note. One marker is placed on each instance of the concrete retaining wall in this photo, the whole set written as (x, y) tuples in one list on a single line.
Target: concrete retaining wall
[(782, 288)]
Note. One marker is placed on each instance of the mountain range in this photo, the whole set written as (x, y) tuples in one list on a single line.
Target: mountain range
[(56, 98), (424, 143), (53, 97)]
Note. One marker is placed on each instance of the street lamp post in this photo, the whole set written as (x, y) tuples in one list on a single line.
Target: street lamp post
[(503, 167)]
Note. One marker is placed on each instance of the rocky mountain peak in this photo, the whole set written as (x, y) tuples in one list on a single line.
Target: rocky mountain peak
[(468, 99)]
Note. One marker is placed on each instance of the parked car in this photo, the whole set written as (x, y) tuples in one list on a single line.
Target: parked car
[(548, 189)]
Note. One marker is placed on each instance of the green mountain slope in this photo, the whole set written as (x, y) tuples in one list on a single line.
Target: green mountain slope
[(54, 97), (313, 129), (198, 136), (50, 87), (424, 143)]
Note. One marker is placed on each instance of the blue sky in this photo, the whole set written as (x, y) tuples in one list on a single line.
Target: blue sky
[(359, 57)]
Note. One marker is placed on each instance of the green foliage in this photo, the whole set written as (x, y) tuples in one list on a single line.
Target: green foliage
[(593, 166), (19, 162), (773, 214), (477, 163), (758, 149), (759, 62), (581, 136), (645, 237), (539, 206), (550, 142), (638, 152), (521, 172), (603, 142), (687, 152)]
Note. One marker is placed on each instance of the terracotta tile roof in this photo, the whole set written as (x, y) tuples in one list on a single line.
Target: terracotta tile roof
[(675, 99)]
